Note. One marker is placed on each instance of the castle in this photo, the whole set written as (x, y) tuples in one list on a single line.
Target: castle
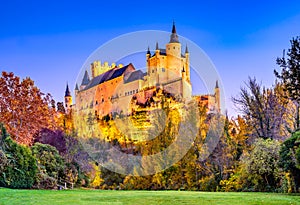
[(111, 88)]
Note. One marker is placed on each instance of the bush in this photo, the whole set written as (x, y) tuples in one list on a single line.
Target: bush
[(45, 182), (48, 158), (208, 183)]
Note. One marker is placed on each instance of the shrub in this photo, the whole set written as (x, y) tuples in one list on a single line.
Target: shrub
[(208, 183), (48, 158), (45, 182)]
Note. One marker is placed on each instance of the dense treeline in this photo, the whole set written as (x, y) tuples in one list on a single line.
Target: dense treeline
[(259, 150), (43, 166)]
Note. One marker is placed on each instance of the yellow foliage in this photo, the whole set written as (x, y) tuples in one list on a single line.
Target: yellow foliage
[(97, 180)]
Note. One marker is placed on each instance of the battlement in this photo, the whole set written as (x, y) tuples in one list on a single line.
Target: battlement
[(97, 68)]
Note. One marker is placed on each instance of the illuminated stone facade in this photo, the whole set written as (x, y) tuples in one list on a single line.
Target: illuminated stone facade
[(111, 88)]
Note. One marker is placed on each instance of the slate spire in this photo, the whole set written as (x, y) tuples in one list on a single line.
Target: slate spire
[(67, 93), (186, 49), (86, 78), (174, 36)]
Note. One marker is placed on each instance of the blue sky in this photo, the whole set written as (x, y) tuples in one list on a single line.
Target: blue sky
[(50, 40)]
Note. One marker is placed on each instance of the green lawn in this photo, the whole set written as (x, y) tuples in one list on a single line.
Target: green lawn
[(9, 196)]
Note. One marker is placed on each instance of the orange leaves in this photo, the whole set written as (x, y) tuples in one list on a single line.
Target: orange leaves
[(24, 109)]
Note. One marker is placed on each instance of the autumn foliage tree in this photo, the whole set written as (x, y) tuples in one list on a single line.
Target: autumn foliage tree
[(24, 109), (263, 109)]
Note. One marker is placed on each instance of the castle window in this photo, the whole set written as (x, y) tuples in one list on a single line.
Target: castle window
[(96, 102), (133, 91), (174, 47), (125, 93), (137, 90), (130, 92), (102, 99), (163, 69), (152, 71)]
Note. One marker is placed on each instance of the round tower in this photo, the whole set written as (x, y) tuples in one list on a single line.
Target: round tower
[(187, 64), (173, 51), (68, 99), (217, 97)]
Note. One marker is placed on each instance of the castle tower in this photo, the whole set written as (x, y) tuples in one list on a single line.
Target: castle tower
[(95, 68), (68, 99), (187, 64), (183, 71), (173, 51), (76, 88), (148, 55), (217, 97)]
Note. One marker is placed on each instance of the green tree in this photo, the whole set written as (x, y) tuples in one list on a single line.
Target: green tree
[(290, 159), (262, 165), (50, 164), (21, 169)]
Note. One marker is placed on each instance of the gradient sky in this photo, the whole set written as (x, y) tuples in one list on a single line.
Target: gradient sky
[(50, 40)]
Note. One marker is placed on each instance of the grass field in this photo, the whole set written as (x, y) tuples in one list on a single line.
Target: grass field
[(43, 197)]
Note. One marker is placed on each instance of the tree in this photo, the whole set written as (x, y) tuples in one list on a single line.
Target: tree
[(263, 109), (20, 165), (55, 138), (290, 75), (290, 159), (24, 108), (61, 107), (50, 164), (78, 162), (262, 164)]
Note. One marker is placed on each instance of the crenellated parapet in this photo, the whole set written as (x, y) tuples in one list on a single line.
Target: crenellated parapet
[(97, 68)]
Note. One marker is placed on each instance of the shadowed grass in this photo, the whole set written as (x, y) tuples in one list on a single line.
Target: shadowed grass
[(9, 196)]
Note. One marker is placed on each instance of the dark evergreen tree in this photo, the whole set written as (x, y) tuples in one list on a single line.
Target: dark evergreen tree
[(290, 75)]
